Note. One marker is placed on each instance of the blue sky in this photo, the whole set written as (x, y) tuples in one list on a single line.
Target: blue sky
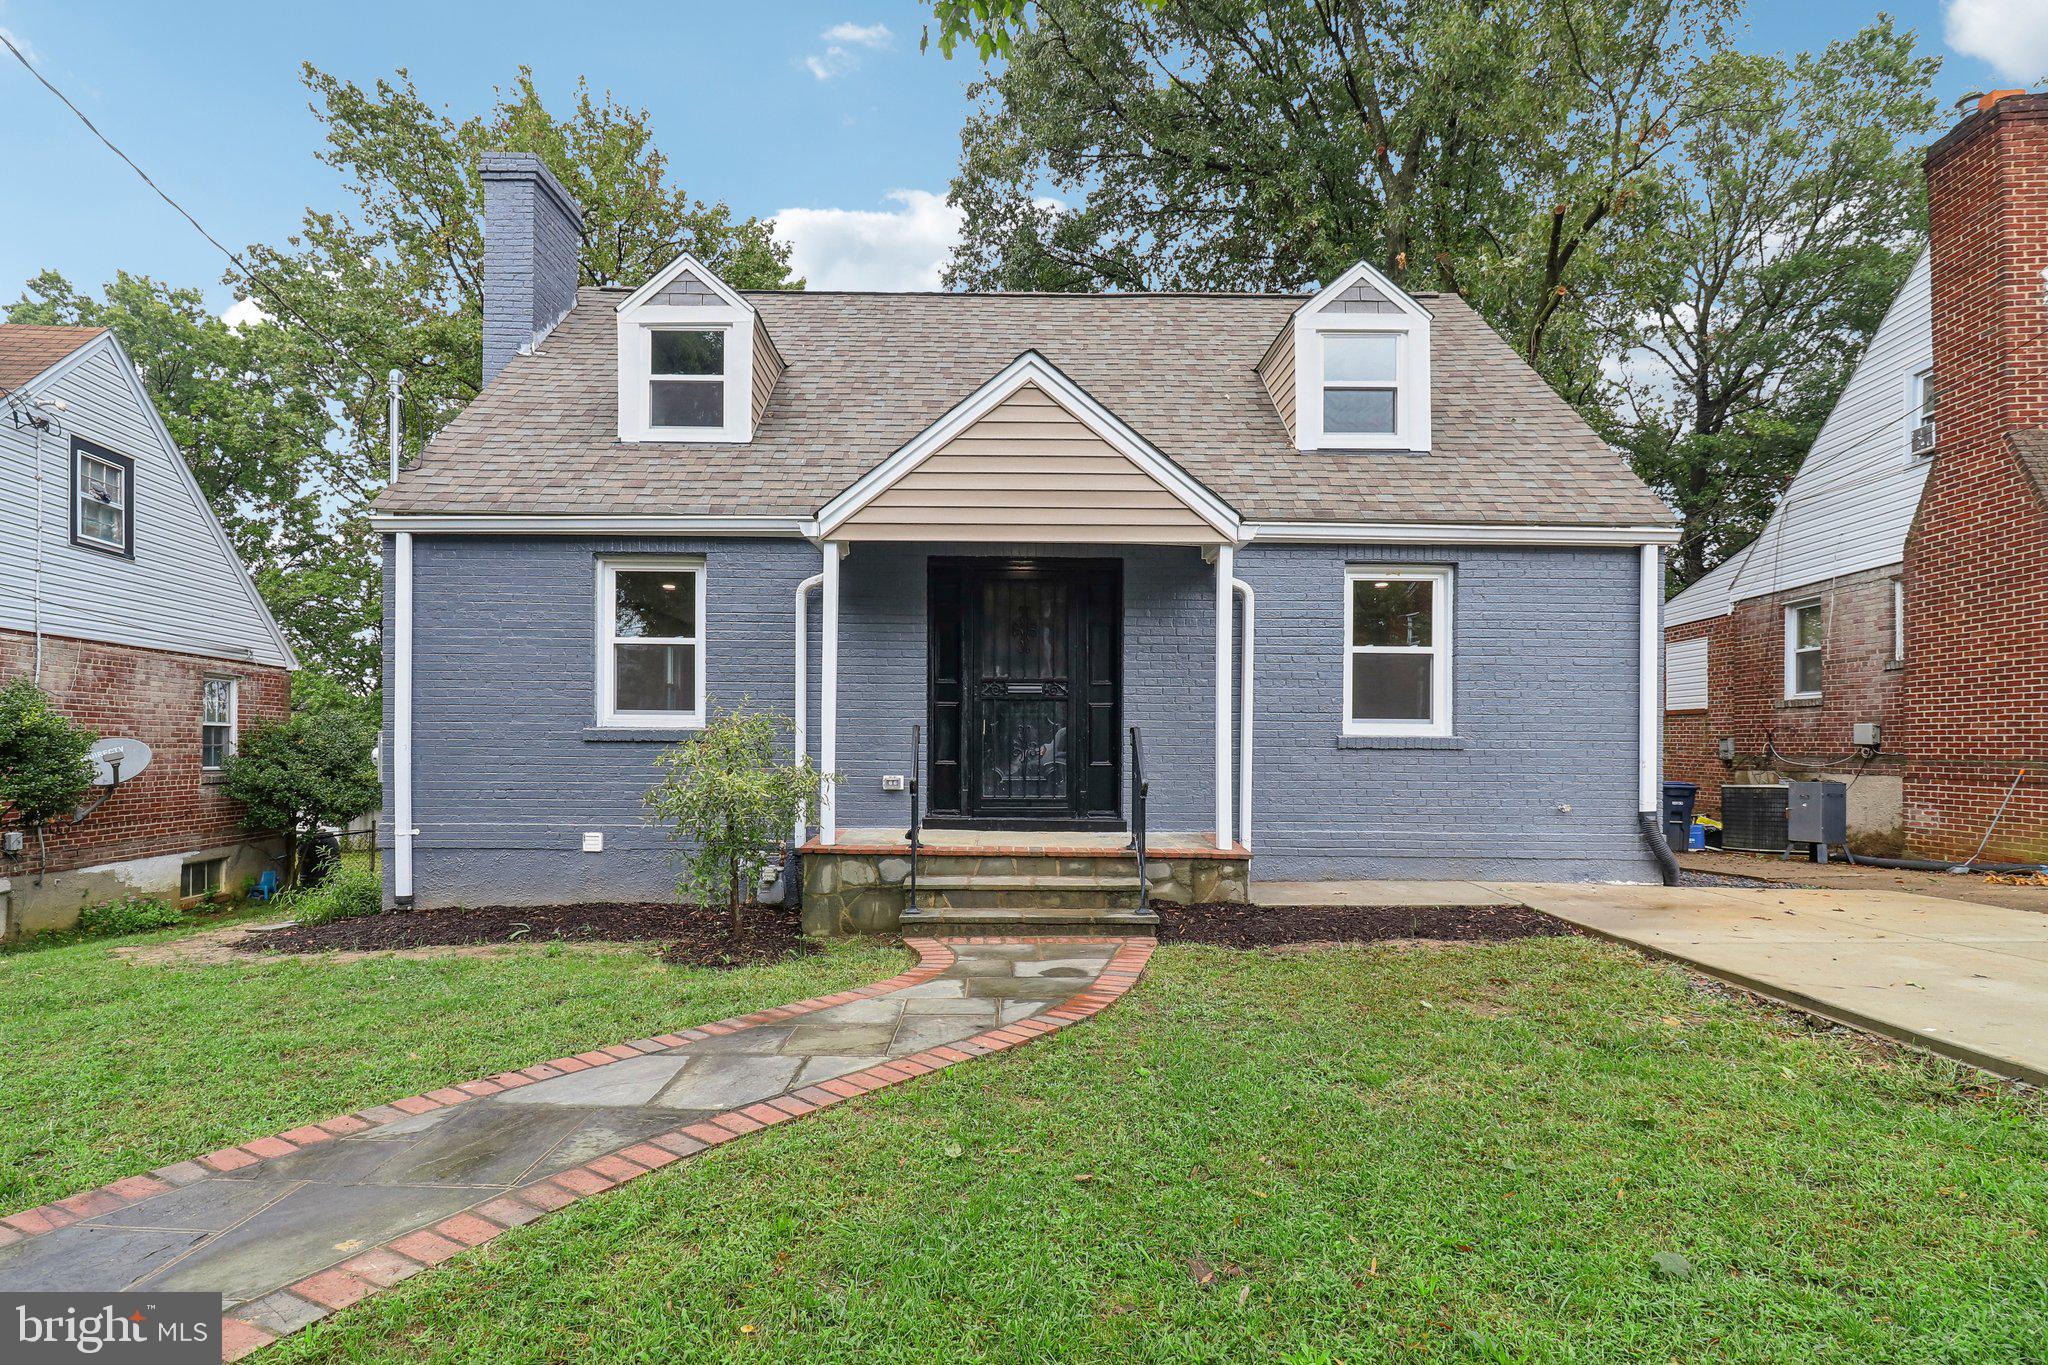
[(825, 114)]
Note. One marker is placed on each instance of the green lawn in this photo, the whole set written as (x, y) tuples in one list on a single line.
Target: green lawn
[(108, 1068), (1463, 1155)]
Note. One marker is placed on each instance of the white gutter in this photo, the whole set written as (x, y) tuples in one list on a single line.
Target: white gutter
[(1649, 639), (1244, 713), (1225, 798), (574, 525), (803, 688), (1452, 533), (402, 831)]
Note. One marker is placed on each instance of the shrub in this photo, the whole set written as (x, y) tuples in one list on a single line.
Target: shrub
[(318, 768), (348, 893), (42, 756), (730, 801), (130, 915)]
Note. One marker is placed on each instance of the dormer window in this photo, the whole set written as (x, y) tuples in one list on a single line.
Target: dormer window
[(1361, 367), (686, 378), (688, 368), (1361, 383)]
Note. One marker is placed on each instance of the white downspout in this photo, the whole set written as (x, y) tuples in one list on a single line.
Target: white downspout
[(803, 689), (401, 719), (1226, 556), (1648, 755), (36, 590), (1244, 713), (828, 697)]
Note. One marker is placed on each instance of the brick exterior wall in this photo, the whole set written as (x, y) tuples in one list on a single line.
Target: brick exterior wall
[(1539, 781), (1777, 738), (154, 696), (1977, 557)]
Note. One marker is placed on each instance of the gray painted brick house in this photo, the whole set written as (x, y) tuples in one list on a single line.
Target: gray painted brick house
[(1366, 596)]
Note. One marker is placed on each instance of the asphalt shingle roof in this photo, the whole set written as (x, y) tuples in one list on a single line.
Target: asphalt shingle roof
[(867, 372), (29, 348)]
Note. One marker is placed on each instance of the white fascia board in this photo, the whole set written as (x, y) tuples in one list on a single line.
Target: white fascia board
[(1032, 368), (488, 524), (192, 488), (1450, 533), (661, 279)]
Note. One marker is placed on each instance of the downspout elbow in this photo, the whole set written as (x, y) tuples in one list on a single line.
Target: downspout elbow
[(1653, 834)]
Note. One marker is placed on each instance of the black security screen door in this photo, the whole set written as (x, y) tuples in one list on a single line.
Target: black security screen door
[(1025, 690)]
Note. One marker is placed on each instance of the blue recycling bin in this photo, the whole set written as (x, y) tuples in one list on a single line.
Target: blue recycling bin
[(1678, 803)]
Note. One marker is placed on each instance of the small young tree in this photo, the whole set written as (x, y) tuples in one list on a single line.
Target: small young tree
[(730, 800), (318, 768), (43, 766)]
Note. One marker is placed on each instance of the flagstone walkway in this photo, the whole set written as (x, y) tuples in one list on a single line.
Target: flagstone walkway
[(291, 1228)]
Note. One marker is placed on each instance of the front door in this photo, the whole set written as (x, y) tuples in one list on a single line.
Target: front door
[(1024, 686)]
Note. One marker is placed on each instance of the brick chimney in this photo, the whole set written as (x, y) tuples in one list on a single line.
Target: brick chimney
[(1976, 562), (532, 231)]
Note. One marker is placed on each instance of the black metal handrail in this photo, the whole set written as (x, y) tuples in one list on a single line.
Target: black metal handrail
[(916, 831), (1140, 789)]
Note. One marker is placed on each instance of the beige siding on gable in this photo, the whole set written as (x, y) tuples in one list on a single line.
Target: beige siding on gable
[(1277, 370), (1029, 471), (767, 369)]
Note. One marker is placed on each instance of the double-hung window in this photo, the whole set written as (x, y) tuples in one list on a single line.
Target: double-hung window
[(650, 637), (216, 722), (1805, 642), (1361, 383), (1397, 651), (686, 378), (1920, 406), (102, 499)]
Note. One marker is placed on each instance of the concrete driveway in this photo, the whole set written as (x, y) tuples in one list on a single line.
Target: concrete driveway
[(1954, 976)]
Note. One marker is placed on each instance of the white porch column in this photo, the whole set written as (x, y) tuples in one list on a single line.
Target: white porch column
[(828, 695), (1226, 563), (401, 716)]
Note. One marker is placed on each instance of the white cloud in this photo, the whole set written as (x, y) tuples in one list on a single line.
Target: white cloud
[(860, 35), (28, 49), (2010, 35), (243, 313), (842, 41), (906, 247)]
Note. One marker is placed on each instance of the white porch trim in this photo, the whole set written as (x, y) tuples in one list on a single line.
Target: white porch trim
[(1225, 795), (828, 696), (1032, 368)]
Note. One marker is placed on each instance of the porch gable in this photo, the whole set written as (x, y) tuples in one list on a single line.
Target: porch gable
[(1029, 457)]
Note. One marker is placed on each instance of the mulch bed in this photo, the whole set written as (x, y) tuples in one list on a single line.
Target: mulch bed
[(1234, 924), (691, 936)]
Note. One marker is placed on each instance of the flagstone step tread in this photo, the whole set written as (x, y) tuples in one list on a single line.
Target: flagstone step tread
[(1039, 917), (1028, 881)]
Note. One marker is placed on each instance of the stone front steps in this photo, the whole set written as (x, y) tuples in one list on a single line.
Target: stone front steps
[(1010, 881), (944, 922)]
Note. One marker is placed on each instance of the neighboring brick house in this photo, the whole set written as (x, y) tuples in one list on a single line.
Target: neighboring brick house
[(126, 603), (1023, 525), (1902, 580)]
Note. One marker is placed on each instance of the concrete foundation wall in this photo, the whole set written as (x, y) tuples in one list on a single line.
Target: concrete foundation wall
[(28, 906)]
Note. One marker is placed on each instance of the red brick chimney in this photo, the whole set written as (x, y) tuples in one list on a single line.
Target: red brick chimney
[(1976, 694)]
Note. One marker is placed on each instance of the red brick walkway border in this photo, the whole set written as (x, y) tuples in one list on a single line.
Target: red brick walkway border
[(363, 1274)]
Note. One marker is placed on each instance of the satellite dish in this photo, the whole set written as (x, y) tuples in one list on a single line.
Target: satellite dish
[(129, 756)]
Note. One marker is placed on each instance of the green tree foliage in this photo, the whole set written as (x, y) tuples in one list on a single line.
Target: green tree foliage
[(1605, 181), (317, 768), (730, 801), (43, 767), (1796, 215), (283, 420)]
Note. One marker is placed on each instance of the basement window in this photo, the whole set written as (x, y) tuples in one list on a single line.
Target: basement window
[(1397, 651), (201, 878), (650, 656), (1805, 641)]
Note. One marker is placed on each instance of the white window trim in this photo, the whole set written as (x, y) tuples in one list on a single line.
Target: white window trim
[(126, 507), (1792, 610), (1898, 620), (234, 719), (610, 717), (1440, 633), (1914, 409), (1411, 323), (636, 366)]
